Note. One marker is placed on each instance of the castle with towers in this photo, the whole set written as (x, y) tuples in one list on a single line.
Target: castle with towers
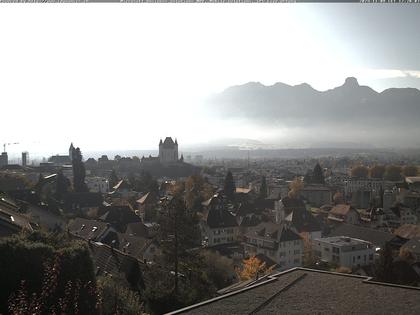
[(168, 153)]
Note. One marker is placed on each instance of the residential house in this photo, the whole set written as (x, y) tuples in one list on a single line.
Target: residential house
[(147, 206), (218, 225), (89, 230), (344, 213), (305, 223), (278, 242), (97, 184), (285, 206)]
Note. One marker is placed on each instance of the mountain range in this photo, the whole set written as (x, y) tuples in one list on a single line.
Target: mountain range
[(350, 113)]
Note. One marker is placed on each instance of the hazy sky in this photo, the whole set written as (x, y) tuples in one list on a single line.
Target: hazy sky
[(116, 76)]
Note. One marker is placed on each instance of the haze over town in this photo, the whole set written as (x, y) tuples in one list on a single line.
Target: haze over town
[(133, 75)]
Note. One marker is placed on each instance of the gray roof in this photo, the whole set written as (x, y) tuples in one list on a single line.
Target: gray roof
[(376, 237), (87, 229), (308, 291)]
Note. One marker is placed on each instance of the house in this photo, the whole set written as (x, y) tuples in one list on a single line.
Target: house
[(308, 291), (89, 230), (218, 225), (278, 242), (12, 222), (147, 206), (344, 213), (141, 248), (82, 200), (404, 214), (316, 195), (286, 205), (408, 231), (344, 251), (122, 189), (305, 223), (110, 262), (97, 184), (119, 216)]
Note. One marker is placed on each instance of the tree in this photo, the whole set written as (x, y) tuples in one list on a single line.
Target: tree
[(377, 171), (410, 170), (295, 187), (179, 233), (359, 171), (116, 298), (263, 188), (79, 171), (113, 179), (383, 267), (60, 279), (393, 173), (229, 187), (253, 268), (62, 185), (144, 183), (318, 175), (219, 269), (196, 191), (179, 278)]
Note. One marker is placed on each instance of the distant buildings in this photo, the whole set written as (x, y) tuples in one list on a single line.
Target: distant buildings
[(4, 159)]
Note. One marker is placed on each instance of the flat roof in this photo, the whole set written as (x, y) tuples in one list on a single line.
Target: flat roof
[(342, 240)]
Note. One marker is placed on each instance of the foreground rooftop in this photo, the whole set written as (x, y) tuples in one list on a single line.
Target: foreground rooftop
[(308, 291)]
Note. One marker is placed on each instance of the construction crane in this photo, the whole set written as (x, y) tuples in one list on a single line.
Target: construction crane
[(7, 144)]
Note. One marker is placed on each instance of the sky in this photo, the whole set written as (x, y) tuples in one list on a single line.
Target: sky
[(115, 77)]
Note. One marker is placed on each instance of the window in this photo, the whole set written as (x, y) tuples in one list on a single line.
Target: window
[(296, 252), (370, 256), (282, 254), (354, 259), (335, 250), (296, 261)]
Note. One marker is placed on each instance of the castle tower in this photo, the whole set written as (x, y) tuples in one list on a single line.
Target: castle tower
[(71, 149), (168, 151)]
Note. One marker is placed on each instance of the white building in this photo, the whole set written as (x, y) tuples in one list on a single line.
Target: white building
[(344, 251), (97, 184), (278, 242)]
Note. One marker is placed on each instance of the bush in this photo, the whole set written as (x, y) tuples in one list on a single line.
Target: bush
[(117, 299), (43, 269)]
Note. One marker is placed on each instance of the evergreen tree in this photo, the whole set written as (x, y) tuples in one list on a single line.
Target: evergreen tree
[(62, 185), (113, 179), (263, 188), (229, 187), (79, 171), (383, 268), (318, 175)]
